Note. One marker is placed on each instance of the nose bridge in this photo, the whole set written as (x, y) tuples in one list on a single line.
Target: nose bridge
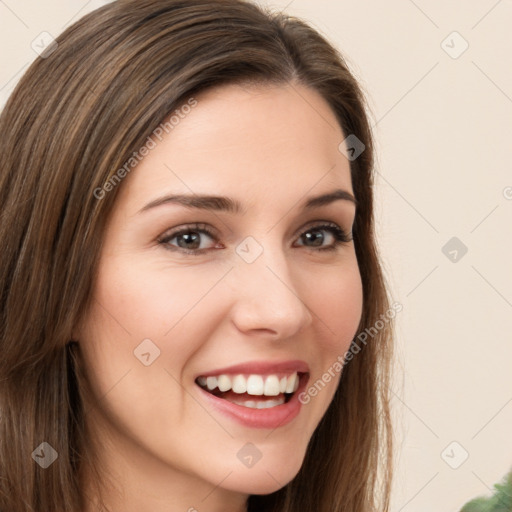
[(266, 294)]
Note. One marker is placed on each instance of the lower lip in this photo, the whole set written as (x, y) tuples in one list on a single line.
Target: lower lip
[(272, 418)]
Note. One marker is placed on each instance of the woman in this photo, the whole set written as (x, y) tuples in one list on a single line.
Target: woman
[(194, 316)]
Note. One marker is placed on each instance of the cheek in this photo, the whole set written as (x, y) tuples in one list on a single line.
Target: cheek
[(152, 302), (338, 304), (133, 304)]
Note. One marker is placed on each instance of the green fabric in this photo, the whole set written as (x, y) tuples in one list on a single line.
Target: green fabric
[(500, 501)]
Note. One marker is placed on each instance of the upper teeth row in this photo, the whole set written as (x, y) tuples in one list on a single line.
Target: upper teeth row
[(252, 384)]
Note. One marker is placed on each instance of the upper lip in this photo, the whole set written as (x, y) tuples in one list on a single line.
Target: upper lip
[(260, 368)]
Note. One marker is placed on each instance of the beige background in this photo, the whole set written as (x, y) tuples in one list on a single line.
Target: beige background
[(443, 125)]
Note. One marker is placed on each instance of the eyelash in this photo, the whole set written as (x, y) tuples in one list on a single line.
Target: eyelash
[(340, 237)]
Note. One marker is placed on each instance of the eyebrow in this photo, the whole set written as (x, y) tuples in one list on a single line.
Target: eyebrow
[(227, 204)]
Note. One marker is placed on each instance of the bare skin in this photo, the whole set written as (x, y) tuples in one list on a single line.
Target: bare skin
[(164, 447)]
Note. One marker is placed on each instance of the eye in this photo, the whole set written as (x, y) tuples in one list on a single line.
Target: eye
[(313, 235), (188, 238)]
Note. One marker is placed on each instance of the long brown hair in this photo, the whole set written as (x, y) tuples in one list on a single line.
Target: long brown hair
[(74, 119)]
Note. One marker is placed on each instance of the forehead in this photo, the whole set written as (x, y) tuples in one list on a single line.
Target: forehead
[(245, 141)]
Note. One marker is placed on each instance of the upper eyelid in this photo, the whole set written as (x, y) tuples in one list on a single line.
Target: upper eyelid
[(213, 232), (319, 223)]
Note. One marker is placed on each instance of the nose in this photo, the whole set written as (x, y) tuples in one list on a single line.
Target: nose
[(267, 299)]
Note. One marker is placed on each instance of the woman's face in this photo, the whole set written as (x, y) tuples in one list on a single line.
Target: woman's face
[(185, 294)]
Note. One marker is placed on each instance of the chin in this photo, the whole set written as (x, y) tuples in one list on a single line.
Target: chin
[(263, 479), (261, 483)]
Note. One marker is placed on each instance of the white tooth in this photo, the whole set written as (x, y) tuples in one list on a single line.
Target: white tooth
[(202, 381), (269, 403), (271, 386), (242, 401), (224, 382), (290, 386), (274, 403), (253, 404), (211, 382), (255, 385), (296, 386), (282, 384), (239, 384)]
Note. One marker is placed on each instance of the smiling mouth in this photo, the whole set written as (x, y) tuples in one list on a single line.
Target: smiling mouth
[(252, 390)]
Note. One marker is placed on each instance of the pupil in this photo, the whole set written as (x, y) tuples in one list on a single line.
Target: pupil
[(190, 238), (318, 237)]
